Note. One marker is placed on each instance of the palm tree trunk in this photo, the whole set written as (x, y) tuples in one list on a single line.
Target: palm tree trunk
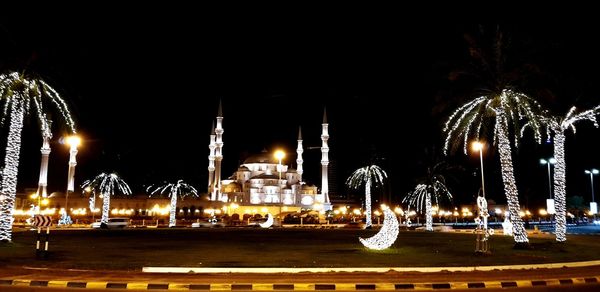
[(172, 221), (508, 177), (368, 202), (428, 216), (105, 207), (560, 185), (11, 167)]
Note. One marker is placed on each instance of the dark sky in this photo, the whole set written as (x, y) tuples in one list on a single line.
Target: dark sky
[(144, 89)]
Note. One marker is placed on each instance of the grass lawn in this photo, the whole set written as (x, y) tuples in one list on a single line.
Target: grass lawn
[(131, 249)]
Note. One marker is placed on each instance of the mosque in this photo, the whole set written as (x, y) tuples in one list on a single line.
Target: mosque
[(262, 184)]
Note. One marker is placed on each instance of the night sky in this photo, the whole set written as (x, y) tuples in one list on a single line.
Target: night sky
[(145, 91)]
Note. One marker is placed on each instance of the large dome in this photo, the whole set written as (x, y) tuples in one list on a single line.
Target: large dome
[(263, 157)]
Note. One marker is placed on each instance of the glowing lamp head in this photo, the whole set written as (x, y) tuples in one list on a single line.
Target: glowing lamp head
[(279, 154), (552, 160), (73, 141), (477, 146)]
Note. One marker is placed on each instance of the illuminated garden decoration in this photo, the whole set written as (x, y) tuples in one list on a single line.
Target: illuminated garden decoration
[(178, 189), (558, 126), (105, 184), (387, 235), (433, 188), (21, 96), (504, 109), (369, 175)]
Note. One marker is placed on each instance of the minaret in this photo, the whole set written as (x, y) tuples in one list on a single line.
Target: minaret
[(211, 163), (43, 182), (324, 160), (218, 152), (299, 152)]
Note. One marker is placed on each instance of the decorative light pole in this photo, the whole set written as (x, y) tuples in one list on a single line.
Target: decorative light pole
[(279, 154), (478, 146), (550, 201), (593, 205), (73, 142), (482, 243)]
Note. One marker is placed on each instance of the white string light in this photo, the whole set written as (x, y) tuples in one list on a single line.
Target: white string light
[(178, 189), (105, 184), (367, 175), (386, 236), (21, 95), (421, 197), (559, 126), (506, 108)]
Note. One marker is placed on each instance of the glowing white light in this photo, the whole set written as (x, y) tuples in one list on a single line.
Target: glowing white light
[(507, 227), (267, 223), (255, 198), (386, 236), (22, 95), (421, 197), (369, 175), (105, 184), (508, 107), (178, 189), (559, 125), (593, 208), (307, 200)]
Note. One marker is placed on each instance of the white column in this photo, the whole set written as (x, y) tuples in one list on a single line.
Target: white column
[(324, 160), (211, 164), (218, 153), (43, 182), (299, 152)]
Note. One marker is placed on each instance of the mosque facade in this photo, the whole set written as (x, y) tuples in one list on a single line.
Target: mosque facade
[(262, 182)]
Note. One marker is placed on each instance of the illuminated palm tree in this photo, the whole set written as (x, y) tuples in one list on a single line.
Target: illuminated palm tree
[(434, 188), (106, 184), (178, 189), (559, 125), (21, 96), (498, 106), (369, 176)]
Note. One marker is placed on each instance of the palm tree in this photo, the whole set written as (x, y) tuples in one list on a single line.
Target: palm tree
[(500, 106), (105, 184), (22, 95), (178, 189), (559, 125), (433, 187), (369, 175)]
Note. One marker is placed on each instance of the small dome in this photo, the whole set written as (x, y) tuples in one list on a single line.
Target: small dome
[(243, 168), (292, 170)]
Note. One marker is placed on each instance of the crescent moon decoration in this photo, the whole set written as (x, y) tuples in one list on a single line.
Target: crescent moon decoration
[(386, 236), (267, 223)]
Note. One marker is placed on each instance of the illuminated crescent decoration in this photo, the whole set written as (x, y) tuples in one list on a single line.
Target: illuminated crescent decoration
[(267, 223), (386, 236)]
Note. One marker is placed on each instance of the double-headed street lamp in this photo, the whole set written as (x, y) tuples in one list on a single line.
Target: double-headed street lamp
[(593, 205), (550, 201)]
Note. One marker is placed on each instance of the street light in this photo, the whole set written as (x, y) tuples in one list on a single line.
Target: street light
[(279, 154), (478, 146), (550, 201), (593, 205), (73, 141)]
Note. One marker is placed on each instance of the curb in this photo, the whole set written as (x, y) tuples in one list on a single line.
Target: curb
[(207, 270), (303, 286)]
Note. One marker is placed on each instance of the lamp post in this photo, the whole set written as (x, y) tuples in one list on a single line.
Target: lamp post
[(482, 244), (550, 201), (478, 146), (73, 142), (593, 205), (279, 154)]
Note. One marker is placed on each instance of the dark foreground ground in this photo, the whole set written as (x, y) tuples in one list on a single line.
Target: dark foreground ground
[(132, 249)]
